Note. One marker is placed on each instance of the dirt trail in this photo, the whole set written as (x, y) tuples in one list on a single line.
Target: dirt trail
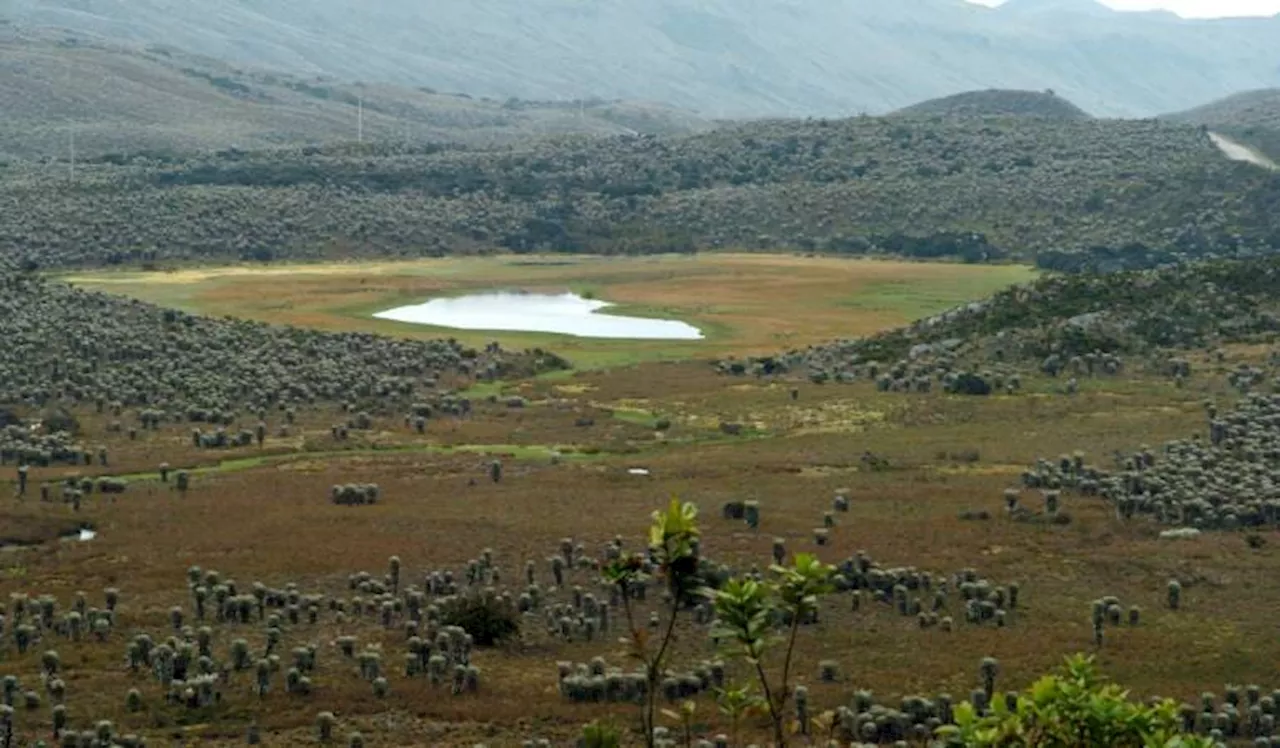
[(1240, 152)]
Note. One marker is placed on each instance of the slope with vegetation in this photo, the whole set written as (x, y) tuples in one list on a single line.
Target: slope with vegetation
[(768, 57), (1252, 116), (107, 97), (1069, 194)]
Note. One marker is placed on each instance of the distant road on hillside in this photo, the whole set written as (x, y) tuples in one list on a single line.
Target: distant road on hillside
[(1240, 152)]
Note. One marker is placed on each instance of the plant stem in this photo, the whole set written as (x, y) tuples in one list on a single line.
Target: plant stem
[(655, 668), (779, 735), (645, 714)]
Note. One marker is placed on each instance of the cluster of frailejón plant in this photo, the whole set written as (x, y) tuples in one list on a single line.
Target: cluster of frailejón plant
[(1221, 480)]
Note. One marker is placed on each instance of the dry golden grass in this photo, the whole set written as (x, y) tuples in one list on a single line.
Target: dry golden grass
[(271, 522), (745, 304)]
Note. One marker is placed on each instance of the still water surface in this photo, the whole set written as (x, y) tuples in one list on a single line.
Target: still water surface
[(566, 314)]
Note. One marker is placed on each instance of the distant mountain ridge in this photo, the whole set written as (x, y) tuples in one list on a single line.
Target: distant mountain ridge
[(724, 58), (120, 99)]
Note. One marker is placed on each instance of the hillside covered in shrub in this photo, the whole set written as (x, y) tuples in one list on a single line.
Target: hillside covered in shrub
[(1071, 194), (68, 347), (1059, 318)]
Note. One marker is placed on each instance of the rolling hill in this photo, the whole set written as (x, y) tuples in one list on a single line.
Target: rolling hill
[(724, 58), (119, 98), (998, 103)]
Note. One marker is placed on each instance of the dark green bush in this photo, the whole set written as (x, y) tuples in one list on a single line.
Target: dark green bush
[(60, 419), (487, 618)]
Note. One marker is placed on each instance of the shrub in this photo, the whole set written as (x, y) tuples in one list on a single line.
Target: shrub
[(1073, 708), (970, 384), (600, 735), (60, 419), (487, 618)]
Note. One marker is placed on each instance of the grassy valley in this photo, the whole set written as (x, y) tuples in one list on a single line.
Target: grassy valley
[(743, 303), (982, 385)]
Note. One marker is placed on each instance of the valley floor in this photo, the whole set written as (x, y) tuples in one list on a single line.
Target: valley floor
[(744, 303), (567, 447)]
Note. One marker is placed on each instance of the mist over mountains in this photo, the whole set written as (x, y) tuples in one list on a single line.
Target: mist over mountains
[(723, 58)]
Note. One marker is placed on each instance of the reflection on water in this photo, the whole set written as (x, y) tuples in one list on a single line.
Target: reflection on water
[(567, 314)]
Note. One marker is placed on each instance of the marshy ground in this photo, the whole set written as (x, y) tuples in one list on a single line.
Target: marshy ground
[(743, 303)]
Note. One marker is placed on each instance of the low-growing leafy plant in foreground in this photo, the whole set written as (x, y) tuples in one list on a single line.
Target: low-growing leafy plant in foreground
[(1073, 708), (747, 610)]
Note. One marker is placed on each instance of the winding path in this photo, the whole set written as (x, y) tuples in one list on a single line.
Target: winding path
[(1241, 152)]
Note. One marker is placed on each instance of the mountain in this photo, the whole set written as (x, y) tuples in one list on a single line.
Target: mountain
[(1252, 117), (997, 103), (724, 58), (120, 98), (1074, 7)]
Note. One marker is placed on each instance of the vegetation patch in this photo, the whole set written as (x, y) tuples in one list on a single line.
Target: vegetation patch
[(1068, 194)]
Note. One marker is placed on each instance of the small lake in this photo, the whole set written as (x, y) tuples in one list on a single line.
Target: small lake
[(566, 314)]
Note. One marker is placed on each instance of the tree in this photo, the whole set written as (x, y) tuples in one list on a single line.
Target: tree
[(1073, 708), (672, 553), (746, 611)]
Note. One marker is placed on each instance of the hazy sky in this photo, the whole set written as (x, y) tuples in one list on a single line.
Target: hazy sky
[(1191, 8)]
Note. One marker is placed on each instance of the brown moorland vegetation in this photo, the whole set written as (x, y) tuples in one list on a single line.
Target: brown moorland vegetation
[(271, 521)]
